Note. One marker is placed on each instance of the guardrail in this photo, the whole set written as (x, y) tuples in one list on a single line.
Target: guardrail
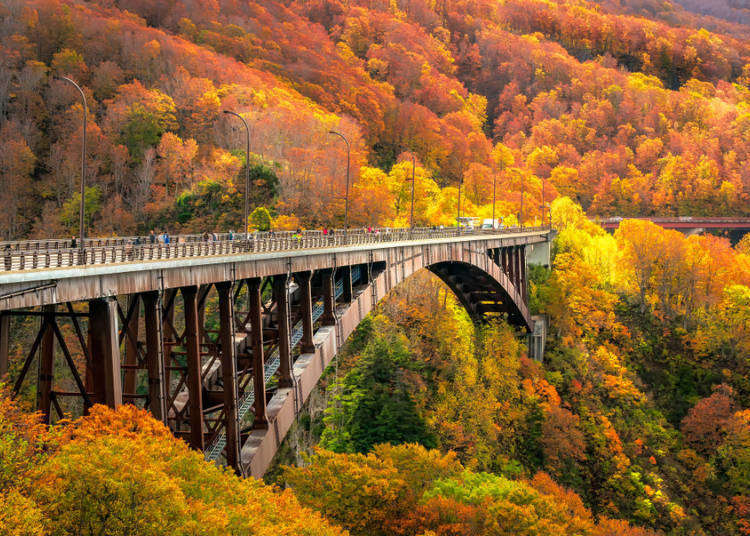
[(43, 254)]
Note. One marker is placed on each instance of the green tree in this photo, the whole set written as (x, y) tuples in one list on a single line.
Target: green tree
[(92, 204), (375, 404), (260, 219)]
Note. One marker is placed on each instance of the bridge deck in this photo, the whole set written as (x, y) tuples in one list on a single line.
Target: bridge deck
[(185, 251), (142, 320), (685, 222)]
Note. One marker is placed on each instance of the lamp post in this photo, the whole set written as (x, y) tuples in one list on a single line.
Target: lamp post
[(458, 217), (81, 230), (413, 168), (247, 171), (542, 201), (494, 184), (348, 159), (520, 217)]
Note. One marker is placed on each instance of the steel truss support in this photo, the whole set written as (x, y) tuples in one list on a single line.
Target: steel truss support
[(194, 369), (303, 280), (258, 362), (329, 297), (4, 343), (152, 315), (130, 332), (229, 375), (346, 281), (46, 364), (105, 352), (283, 322)]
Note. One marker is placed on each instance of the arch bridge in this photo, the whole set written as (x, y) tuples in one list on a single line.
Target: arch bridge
[(224, 340)]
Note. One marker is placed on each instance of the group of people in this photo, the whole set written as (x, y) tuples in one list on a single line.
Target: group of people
[(164, 237)]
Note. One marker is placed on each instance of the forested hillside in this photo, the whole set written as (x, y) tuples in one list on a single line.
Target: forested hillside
[(637, 422), (626, 115), (639, 410)]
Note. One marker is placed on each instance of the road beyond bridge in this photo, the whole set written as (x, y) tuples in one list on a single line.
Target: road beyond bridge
[(224, 340)]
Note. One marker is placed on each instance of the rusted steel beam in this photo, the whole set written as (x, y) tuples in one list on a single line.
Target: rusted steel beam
[(303, 280), (46, 364), (105, 351), (512, 264), (167, 319), (346, 281), (131, 341), (365, 274), (4, 343), (329, 298), (155, 355), (283, 321), (194, 380), (72, 366), (229, 375), (256, 335)]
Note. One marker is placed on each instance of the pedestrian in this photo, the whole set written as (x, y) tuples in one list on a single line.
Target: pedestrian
[(213, 236), (152, 237), (73, 243), (166, 238), (205, 236), (231, 235), (325, 231), (137, 241)]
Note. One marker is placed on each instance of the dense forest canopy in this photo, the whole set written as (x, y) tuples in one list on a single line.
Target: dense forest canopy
[(627, 115)]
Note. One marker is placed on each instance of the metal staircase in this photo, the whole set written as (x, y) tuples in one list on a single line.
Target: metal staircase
[(247, 400)]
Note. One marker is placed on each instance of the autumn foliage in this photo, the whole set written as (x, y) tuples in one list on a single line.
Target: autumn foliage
[(626, 115), (121, 472)]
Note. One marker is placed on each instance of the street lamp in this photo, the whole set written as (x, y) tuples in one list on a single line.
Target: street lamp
[(542, 201), (520, 218), (247, 170), (494, 185), (81, 209), (413, 169), (458, 217), (348, 159)]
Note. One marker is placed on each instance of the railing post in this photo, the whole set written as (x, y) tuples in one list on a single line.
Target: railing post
[(303, 280), (229, 375), (46, 364), (329, 298), (194, 370), (256, 335), (105, 351)]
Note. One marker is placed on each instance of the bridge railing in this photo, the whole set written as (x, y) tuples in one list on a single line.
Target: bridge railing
[(43, 254)]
